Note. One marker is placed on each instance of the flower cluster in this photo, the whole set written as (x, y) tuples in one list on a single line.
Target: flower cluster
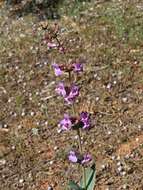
[(68, 122), (74, 157), (68, 93), (59, 69)]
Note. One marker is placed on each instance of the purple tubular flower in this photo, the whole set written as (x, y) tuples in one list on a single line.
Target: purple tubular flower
[(85, 118), (57, 69), (73, 157), (74, 92), (78, 67), (66, 123), (86, 159), (69, 94), (60, 89)]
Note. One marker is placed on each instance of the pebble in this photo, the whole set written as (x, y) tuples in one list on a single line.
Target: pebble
[(108, 86), (21, 180), (50, 188), (51, 162), (2, 162), (32, 113), (124, 99)]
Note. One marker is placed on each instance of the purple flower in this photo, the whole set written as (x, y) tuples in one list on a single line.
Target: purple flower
[(73, 157), (60, 89), (78, 67), (57, 69), (74, 92), (69, 94), (85, 118), (66, 123), (86, 159)]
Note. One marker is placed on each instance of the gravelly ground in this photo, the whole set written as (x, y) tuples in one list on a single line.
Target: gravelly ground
[(107, 35)]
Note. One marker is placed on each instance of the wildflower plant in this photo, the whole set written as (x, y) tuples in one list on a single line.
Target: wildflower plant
[(77, 121)]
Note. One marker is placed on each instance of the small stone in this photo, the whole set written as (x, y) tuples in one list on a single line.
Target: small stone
[(59, 130), (113, 157), (103, 166), (50, 188), (137, 139), (124, 99), (19, 126), (119, 163), (34, 131), (13, 147), (23, 114), (51, 162), (21, 180), (55, 148), (32, 113), (120, 169), (108, 86), (97, 99), (46, 122), (109, 132), (123, 173), (2, 162), (5, 126)]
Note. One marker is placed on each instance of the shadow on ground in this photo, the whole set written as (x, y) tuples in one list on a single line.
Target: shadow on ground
[(44, 9)]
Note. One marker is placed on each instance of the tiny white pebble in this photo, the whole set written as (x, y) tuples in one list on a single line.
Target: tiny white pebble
[(23, 114), (124, 186), (118, 163), (9, 100), (22, 35), (55, 148), (2, 161), (97, 98), (19, 126), (114, 82), (139, 126), (123, 173), (113, 157), (137, 139), (109, 132), (5, 126), (124, 99), (103, 166), (51, 162), (37, 93), (119, 168), (46, 122), (108, 86), (13, 147), (32, 113), (45, 63), (21, 181), (59, 130), (76, 137)]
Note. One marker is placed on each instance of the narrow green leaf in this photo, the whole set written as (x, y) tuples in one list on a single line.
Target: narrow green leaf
[(74, 186), (90, 178)]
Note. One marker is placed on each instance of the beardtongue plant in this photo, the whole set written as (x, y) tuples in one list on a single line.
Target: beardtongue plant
[(77, 121)]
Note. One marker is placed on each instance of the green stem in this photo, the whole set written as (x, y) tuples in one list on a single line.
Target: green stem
[(80, 149), (79, 140)]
